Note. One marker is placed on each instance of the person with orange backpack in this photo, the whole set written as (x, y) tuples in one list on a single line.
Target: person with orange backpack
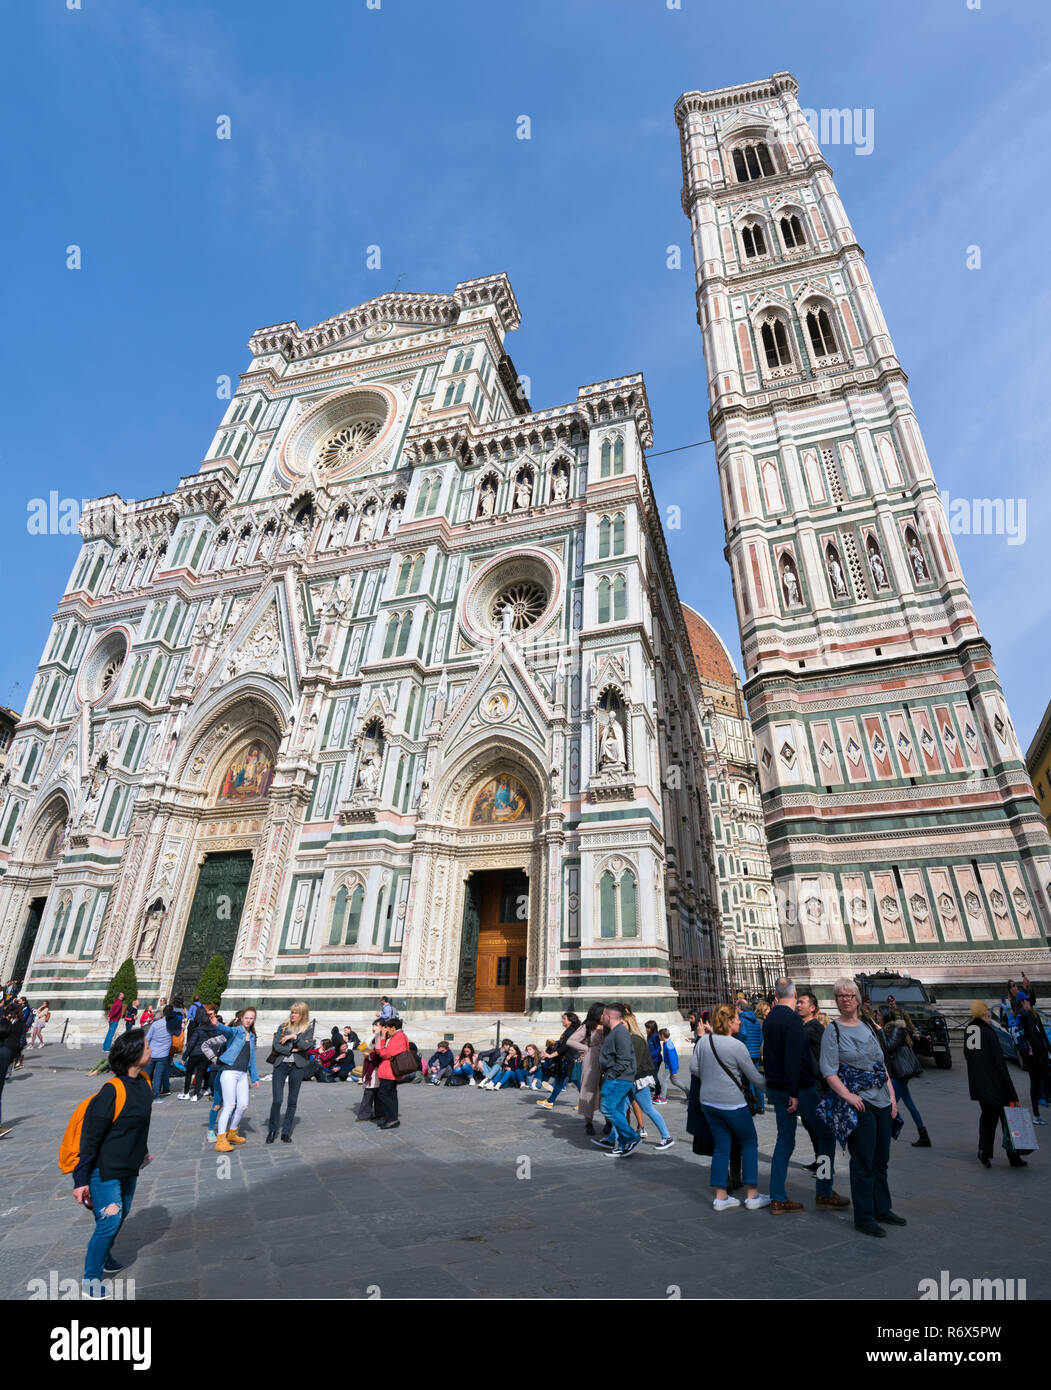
[(104, 1147)]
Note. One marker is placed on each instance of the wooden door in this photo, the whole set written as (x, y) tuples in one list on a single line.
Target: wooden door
[(503, 921), (215, 914)]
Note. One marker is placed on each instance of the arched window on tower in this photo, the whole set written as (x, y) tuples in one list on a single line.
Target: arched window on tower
[(775, 344), (603, 600), (618, 534), (605, 534), (753, 241), (753, 161), (620, 599), (607, 455), (391, 635), (403, 635), (819, 330), (618, 456), (792, 232)]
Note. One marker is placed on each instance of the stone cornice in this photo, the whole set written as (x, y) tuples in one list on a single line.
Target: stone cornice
[(726, 98), (292, 342)]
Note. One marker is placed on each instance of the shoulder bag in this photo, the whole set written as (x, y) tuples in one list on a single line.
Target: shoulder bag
[(749, 1099)]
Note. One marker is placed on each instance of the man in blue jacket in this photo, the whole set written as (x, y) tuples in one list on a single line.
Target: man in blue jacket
[(751, 1034), (793, 1091)]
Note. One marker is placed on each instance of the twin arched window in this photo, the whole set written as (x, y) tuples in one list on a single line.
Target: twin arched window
[(792, 232), (612, 600), (618, 915), (819, 330), (410, 574), (753, 241), (396, 642), (346, 916), (611, 536), (753, 161), (612, 458), (427, 498), (774, 338)]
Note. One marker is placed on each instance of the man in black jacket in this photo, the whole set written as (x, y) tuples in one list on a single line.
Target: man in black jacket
[(1038, 1063), (113, 1148), (791, 1085)]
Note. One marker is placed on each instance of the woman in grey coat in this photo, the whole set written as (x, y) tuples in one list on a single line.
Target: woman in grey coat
[(591, 1037), (291, 1054), (722, 1065)]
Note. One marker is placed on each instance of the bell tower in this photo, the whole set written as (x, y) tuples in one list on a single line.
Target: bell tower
[(903, 829)]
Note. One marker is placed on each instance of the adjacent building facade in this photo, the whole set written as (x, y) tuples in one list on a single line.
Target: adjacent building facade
[(901, 821), (393, 694)]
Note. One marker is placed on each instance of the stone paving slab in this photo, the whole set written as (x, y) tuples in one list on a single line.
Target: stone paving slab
[(486, 1195)]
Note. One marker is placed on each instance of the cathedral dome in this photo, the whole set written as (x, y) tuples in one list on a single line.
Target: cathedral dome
[(710, 655)]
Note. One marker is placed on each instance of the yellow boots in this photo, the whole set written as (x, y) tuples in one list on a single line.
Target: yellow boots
[(233, 1137), (225, 1143)]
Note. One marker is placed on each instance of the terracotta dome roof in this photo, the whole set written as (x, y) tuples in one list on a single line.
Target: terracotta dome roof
[(710, 656)]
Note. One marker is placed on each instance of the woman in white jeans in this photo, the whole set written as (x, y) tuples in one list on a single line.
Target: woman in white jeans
[(236, 1070)]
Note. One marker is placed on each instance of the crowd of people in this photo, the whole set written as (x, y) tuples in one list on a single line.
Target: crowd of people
[(845, 1078)]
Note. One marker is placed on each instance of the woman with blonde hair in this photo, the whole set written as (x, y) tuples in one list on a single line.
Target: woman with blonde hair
[(723, 1068), (861, 1109), (645, 1073), (290, 1056)]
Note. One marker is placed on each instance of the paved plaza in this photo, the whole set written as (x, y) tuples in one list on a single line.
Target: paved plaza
[(486, 1195)]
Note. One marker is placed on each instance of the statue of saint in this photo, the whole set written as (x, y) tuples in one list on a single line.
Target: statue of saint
[(394, 515), (523, 493), (560, 485), (611, 745), (791, 583), (879, 573), (368, 522), (151, 930), (487, 502), (369, 772), (507, 619), (835, 574), (918, 564)]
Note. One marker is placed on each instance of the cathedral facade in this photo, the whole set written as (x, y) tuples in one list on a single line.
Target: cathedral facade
[(393, 694), (902, 824)]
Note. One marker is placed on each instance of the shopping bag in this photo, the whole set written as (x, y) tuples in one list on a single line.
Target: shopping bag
[(1019, 1131)]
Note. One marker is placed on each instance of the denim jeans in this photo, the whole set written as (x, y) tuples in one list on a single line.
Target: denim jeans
[(726, 1125), (902, 1096), (490, 1069), (645, 1100), (786, 1141), (466, 1071), (557, 1087), (160, 1067), (117, 1192), (615, 1097), (294, 1075), (869, 1154), (111, 1033)]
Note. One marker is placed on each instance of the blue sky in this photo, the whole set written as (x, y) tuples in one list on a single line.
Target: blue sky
[(396, 127)]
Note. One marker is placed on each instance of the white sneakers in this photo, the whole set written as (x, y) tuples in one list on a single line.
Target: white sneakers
[(752, 1203)]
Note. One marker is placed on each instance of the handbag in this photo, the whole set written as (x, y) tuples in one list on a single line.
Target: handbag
[(1018, 1130), (749, 1099), (645, 1083), (404, 1064), (697, 1122)]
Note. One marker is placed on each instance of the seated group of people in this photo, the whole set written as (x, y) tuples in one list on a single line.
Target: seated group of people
[(336, 1056), (500, 1067)]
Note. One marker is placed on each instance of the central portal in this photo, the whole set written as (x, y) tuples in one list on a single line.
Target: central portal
[(501, 899)]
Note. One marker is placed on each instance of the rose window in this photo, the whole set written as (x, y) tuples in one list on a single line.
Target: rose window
[(527, 602), (110, 672), (348, 443)]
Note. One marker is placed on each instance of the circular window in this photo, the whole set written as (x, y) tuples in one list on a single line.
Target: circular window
[(102, 667), (344, 434), (511, 596), (348, 443), (518, 606)]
